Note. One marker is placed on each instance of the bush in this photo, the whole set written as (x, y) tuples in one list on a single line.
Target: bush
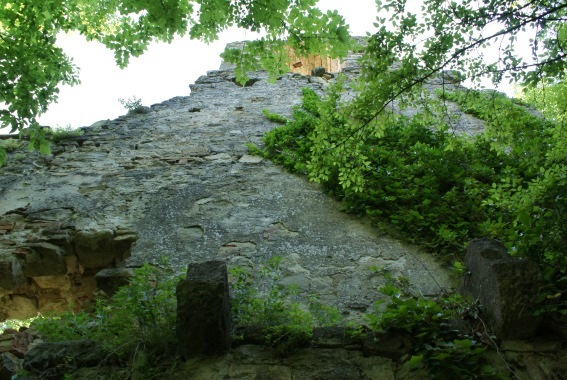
[(138, 319), (258, 299), (445, 351)]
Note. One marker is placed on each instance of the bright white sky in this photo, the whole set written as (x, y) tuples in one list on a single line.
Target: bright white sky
[(164, 71)]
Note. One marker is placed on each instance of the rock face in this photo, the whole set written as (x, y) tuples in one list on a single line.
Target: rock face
[(51, 361), (506, 287), (204, 322), (178, 182), (49, 265)]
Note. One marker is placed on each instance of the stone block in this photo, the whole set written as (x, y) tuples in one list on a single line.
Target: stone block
[(122, 245), (50, 360), (11, 272), (506, 287), (203, 310), (61, 283), (10, 364), (45, 259), (318, 71), (392, 345), (95, 248), (111, 279), (62, 239), (20, 307)]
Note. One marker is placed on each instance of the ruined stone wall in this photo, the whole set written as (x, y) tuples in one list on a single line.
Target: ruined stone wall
[(176, 181)]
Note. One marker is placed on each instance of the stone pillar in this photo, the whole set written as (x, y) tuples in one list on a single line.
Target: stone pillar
[(204, 321), (506, 287)]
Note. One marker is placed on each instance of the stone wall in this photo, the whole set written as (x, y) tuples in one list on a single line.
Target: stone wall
[(177, 179)]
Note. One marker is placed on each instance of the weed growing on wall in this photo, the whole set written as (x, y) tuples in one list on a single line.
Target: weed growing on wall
[(11, 145), (441, 347), (258, 299), (66, 132), (133, 104)]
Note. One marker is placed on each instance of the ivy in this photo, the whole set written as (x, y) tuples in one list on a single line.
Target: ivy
[(435, 188), (441, 346), (32, 67)]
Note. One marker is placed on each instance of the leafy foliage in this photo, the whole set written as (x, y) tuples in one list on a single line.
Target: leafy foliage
[(33, 67), (10, 145), (440, 35), (259, 299), (140, 317), (436, 188), (440, 345), (133, 104), (550, 97)]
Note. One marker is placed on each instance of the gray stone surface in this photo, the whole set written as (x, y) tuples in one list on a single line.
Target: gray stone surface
[(506, 288), (204, 321)]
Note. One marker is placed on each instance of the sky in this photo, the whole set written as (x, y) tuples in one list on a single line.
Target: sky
[(163, 72)]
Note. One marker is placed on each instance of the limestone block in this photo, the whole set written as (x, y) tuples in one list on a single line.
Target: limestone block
[(51, 359), (53, 282), (45, 259), (248, 159), (111, 279), (259, 371), (392, 345), (506, 287), (52, 301), (62, 239), (9, 365), (122, 245), (318, 71), (11, 272), (203, 310), (20, 307), (94, 248)]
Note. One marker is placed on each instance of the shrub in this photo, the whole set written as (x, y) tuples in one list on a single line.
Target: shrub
[(259, 299), (139, 318), (443, 350), (436, 188)]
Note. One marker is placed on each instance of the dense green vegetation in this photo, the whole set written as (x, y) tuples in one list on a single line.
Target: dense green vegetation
[(438, 188), (136, 326), (442, 349)]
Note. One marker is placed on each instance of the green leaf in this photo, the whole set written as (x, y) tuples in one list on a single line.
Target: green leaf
[(415, 361)]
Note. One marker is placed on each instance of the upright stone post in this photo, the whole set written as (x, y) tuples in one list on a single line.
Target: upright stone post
[(505, 286), (203, 310)]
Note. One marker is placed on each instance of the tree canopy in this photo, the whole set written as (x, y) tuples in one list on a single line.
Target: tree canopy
[(32, 66)]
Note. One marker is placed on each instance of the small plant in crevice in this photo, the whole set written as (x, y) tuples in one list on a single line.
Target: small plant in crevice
[(441, 346), (66, 132), (259, 299), (8, 146), (139, 320), (133, 104)]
